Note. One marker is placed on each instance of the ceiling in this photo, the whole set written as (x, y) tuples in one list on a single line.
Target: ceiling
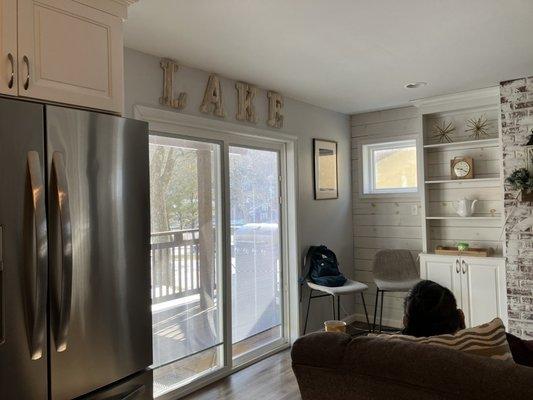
[(345, 55)]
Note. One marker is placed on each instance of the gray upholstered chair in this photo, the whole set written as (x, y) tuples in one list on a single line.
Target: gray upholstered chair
[(394, 271)]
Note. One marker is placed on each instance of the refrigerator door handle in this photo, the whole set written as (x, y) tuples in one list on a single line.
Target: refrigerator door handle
[(38, 319), (62, 194)]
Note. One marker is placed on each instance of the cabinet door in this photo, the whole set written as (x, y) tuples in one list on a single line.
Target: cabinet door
[(484, 291), (445, 271), (70, 53), (8, 46)]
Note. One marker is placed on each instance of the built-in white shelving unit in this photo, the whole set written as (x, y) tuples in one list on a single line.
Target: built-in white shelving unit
[(496, 178), (490, 142), (495, 218), (443, 226), (473, 280)]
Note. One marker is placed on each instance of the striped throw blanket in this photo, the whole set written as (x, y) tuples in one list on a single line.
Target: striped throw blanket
[(488, 340)]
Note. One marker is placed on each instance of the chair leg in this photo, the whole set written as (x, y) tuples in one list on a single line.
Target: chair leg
[(375, 309), (381, 312), (308, 306), (366, 313), (333, 305), (339, 308)]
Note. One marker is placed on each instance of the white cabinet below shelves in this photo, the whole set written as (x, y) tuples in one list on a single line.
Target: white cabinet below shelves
[(484, 284), (478, 284)]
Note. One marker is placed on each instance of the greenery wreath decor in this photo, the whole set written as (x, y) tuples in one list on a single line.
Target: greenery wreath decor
[(522, 180)]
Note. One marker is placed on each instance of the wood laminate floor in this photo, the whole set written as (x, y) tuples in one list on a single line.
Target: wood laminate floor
[(270, 379)]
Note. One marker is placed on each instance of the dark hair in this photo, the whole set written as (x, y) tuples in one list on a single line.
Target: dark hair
[(431, 309)]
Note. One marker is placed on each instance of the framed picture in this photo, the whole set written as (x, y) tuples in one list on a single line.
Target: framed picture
[(325, 171)]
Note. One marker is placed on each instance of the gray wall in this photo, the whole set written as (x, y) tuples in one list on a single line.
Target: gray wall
[(327, 221)]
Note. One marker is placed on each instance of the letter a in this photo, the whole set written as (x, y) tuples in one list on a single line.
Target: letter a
[(213, 97)]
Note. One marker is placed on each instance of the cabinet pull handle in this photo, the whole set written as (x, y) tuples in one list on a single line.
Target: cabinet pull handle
[(464, 265), (27, 62), (12, 78), (457, 266)]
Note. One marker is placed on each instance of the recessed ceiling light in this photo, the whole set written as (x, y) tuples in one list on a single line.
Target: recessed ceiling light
[(415, 85)]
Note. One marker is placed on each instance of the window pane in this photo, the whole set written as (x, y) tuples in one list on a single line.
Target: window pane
[(395, 168), (186, 295), (255, 250)]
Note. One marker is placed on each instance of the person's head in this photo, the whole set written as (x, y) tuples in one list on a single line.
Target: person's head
[(431, 309)]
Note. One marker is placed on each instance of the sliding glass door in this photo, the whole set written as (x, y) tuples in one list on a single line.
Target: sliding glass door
[(216, 256), (187, 307), (256, 295)]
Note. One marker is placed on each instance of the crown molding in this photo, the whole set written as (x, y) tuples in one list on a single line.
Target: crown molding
[(487, 97), (118, 8)]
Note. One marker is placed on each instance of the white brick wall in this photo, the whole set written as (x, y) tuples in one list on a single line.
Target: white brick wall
[(517, 124)]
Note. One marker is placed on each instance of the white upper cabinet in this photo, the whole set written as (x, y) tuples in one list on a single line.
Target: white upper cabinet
[(8, 47), (70, 53), (64, 51)]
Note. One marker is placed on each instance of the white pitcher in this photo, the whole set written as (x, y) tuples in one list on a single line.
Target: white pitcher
[(464, 207)]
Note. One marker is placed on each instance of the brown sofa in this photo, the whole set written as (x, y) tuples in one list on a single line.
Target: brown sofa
[(333, 366)]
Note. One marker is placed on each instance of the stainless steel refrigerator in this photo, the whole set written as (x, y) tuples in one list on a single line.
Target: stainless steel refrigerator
[(74, 254)]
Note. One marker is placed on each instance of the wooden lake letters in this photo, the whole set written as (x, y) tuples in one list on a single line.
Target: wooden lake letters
[(213, 101)]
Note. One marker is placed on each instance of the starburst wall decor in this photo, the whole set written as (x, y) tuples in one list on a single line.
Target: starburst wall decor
[(478, 127), (443, 132)]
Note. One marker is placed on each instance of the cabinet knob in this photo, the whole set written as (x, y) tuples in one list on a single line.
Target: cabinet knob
[(27, 62), (457, 266), (464, 265), (12, 78)]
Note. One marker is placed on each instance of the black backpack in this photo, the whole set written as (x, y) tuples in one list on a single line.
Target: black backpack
[(321, 267)]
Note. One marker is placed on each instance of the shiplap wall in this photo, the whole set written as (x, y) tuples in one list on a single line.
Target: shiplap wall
[(383, 222)]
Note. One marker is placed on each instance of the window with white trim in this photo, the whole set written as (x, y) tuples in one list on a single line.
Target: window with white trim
[(390, 167)]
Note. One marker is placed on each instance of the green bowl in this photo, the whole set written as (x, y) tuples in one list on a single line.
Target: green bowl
[(462, 246)]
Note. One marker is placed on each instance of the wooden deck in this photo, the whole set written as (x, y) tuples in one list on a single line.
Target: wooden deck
[(182, 330)]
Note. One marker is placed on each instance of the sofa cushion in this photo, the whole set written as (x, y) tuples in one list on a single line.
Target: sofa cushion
[(487, 340), (522, 350)]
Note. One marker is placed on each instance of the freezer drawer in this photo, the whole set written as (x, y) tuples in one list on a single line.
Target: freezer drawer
[(136, 387), (99, 227)]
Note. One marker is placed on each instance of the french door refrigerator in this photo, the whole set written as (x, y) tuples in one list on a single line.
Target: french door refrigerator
[(74, 254)]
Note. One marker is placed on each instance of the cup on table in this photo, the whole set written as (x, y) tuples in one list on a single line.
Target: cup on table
[(335, 326)]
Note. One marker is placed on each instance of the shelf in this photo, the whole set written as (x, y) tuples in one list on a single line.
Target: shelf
[(492, 142), (496, 256), (474, 180), (496, 217)]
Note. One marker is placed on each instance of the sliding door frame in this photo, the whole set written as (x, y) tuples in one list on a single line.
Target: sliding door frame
[(172, 124), (280, 150)]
